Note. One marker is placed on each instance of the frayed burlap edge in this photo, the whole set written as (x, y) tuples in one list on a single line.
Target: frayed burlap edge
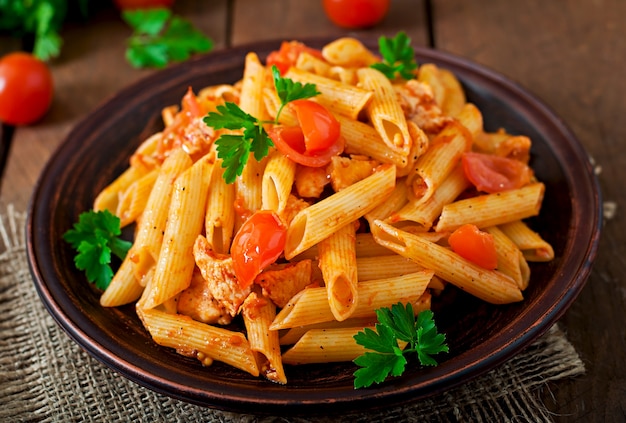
[(46, 377)]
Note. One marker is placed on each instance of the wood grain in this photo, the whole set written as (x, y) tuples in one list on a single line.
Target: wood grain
[(571, 55)]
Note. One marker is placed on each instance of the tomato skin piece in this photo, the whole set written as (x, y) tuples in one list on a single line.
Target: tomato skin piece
[(289, 140), (474, 245), (319, 126), (142, 4), (491, 174), (355, 14), (257, 244), (288, 54), (26, 89)]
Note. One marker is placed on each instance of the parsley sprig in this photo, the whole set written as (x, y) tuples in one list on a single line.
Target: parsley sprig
[(160, 37), (95, 237), (397, 323), (234, 150), (398, 56)]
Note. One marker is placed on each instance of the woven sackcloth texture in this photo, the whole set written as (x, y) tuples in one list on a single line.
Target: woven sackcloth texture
[(45, 376)]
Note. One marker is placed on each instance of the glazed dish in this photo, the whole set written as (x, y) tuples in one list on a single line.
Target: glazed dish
[(480, 335)]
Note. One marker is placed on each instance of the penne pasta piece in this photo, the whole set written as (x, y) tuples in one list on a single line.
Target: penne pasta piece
[(349, 52), (123, 288), (492, 209), (384, 267), (454, 96), (134, 199), (151, 226), (317, 222), (511, 261), (344, 99), (362, 138), (533, 246), (258, 313), (185, 219), (199, 340), (219, 220), (488, 285), (292, 335), (425, 212), (108, 198), (277, 182), (337, 261), (394, 202), (325, 346), (441, 158), (310, 305), (384, 111)]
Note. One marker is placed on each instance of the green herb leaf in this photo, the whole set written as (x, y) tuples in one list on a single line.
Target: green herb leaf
[(235, 149), (95, 237), (398, 57), (396, 323), (160, 37)]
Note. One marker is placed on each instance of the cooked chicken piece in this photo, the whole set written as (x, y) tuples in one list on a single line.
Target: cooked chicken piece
[(198, 303), (294, 205), (286, 281), (345, 171), (217, 270), (310, 181), (419, 105)]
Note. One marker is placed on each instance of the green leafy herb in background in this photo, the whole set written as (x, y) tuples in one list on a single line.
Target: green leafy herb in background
[(41, 20), (161, 37), (397, 323), (95, 237), (234, 150), (398, 57)]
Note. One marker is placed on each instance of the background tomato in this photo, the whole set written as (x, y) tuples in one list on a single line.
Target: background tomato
[(356, 13), (142, 4), (25, 88)]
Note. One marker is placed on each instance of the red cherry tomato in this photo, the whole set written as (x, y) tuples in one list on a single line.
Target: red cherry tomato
[(315, 141), (356, 13), (142, 4), (474, 245), (288, 54), (257, 244), (493, 174), (320, 128), (26, 88)]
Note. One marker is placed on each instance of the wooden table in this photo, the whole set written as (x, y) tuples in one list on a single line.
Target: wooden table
[(570, 54)]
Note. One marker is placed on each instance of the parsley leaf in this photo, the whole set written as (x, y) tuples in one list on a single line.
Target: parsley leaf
[(95, 237), (398, 57), (396, 323), (160, 37), (235, 149)]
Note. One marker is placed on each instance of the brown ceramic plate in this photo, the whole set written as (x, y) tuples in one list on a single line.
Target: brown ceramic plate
[(480, 336)]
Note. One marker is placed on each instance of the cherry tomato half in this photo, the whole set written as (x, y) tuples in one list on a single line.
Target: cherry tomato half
[(142, 4), (315, 141), (26, 88), (257, 244), (320, 128), (288, 54), (493, 174), (356, 13), (474, 245)]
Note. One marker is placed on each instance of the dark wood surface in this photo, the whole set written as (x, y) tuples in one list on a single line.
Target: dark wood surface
[(570, 54)]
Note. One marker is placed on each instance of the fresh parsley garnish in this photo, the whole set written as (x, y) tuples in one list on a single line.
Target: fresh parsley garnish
[(234, 150), (41, 19), (160, 37), (398, 57), (397, 323), (95, 237)]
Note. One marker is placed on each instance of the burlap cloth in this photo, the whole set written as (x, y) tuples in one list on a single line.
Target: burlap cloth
[(45, 376)]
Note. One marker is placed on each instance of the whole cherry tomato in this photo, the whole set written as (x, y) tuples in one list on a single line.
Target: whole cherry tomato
[(474, 245), (26, 88), (356, 13), (315, 141), (493, 174), (257, 244), (142, 4)]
